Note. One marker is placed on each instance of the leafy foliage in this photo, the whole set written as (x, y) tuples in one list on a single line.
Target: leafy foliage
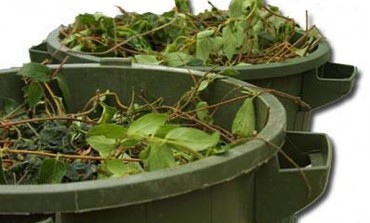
[(42, 144), (249, 32), (244, 121), (52, 171)]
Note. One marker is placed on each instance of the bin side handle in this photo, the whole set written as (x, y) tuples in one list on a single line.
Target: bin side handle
[(328, 83), (282, 192)]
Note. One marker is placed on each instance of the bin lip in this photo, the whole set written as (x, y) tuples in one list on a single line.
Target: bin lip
[(150, 186), (246, 72)]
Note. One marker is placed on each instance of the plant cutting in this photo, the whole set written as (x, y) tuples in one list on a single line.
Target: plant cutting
[(245, 172), (41, 143), (252, 41), (249, 32)]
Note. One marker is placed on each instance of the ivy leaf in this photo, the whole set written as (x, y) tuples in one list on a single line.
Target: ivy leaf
[(147, 124), (192, 138), (2, 175), (52, 171), (35, 71), (147, 59), (244, 123), (159, 156), (177, 59), (105, 146), (111, 131), (34, 94)]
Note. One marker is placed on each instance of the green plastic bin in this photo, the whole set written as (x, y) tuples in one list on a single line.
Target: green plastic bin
[(251, 183), (312, 78)]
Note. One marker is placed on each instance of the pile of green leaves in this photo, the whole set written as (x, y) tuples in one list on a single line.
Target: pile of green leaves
[(41, 143), (249, 32)]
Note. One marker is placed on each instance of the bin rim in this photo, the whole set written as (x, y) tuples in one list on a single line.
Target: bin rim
[(150, 186), (292, 66)]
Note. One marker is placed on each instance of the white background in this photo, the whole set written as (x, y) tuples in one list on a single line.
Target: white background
[(24, 23)]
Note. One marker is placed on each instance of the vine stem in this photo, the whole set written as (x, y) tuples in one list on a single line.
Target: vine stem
[(66, 156), (8, 124)]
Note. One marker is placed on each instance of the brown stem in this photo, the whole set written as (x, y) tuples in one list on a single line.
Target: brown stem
[(294, 99), (7, 124), (53, 97), (275, 14), (66, 156), (60, 67)]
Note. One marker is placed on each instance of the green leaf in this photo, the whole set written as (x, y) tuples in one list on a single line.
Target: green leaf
[(301, 52), (129, 143), (2, 175), (203, 113), (192, 138), (107, 114), (62, 84), (244, 123), (105, 146), (204, 45), (205, 33), (203, 85), (232, 38), (159, 156), (147, 59), (86, 20), (35, 71), (111, 131), (52, 171), (164, 129), (7, 105), (238, 8), (183, 6), (34, 94), (147, 124), (118, 168), (229, 71), (177, 59)]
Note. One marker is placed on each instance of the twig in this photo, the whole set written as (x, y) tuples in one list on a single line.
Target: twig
[(21, 122), (294, 99), (277, 15), (53, 97), (60, 67), (66, 156)]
